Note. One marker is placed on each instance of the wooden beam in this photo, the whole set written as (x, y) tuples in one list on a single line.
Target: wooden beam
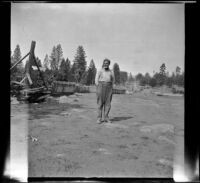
[(19, 61), (23, 80)]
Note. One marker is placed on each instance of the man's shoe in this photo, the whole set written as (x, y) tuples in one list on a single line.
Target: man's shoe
[(99, 121), (108, 121)]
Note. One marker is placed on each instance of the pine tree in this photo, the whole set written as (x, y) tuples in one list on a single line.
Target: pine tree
[(123, 77), (17, 73), (155, 79), (162, 75), (173, 78), (56, 57), (79, 63), (46, 63), (59, 54), (139, 77), (152, 82), (147, 78), (182, 79), (72, 74), (116, 71), (179, 77), (130, 78), (68, 69), (17, 55), (14, 70), (53, 62), (163, 69), (61, 74), (91, 73), (178, 70), (64, 70), (84, 77)]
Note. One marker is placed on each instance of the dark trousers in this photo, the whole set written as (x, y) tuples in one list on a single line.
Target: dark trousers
[(104, 97)]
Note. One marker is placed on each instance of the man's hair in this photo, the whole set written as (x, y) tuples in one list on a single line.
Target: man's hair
[(106, 60)]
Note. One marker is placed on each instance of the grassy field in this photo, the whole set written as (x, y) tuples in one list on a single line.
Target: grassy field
[(65, 140)]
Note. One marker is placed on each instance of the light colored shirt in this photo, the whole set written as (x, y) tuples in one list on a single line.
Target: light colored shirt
[(106, 76)]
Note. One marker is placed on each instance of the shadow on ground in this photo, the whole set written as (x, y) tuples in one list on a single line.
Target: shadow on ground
[(44, 109), (121, 118)]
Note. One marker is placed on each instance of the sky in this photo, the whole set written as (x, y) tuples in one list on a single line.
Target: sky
[(139, 37)]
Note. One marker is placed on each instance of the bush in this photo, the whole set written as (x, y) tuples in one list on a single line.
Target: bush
[(176, 89), (82, 89), (152, 82)]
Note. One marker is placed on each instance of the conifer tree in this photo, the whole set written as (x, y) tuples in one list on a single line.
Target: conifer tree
[(79, 64), (116, 71)]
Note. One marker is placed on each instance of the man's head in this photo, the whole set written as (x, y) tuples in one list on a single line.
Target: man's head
[(106, 63)]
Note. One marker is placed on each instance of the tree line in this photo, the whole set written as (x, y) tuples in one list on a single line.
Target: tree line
[(162, 78), (57, 68)]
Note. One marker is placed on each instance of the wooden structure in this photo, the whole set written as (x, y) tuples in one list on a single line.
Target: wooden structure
[(24, 92), (63, 88), (116, 90), (68, 88)]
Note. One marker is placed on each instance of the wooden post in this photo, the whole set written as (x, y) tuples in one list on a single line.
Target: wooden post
[(31, 58), (32, 61), (40, 72)]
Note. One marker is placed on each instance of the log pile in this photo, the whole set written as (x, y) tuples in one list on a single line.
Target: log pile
[(34, 95), (15, 88)]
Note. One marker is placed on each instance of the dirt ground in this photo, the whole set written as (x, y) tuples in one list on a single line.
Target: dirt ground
[(64, 139)]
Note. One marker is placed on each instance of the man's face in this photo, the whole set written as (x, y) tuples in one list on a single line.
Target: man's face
[(106, 65)]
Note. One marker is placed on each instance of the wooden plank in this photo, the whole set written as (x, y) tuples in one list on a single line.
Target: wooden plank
[(17, 83), (34, 89), (23, 80), (29, 78)]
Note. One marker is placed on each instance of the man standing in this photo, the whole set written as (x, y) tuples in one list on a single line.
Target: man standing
[(104, 81)]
